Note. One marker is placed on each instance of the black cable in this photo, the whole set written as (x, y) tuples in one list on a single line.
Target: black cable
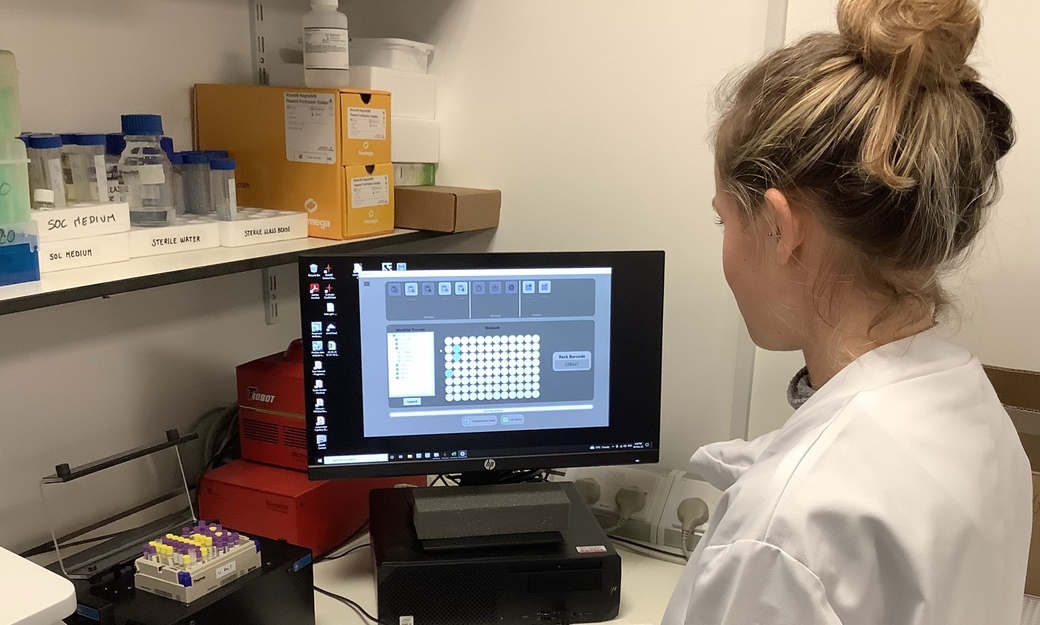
[(345, 553), (353, 604), (360, 530)]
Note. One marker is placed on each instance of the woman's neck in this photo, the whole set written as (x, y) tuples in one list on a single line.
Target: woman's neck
[(830, 347)]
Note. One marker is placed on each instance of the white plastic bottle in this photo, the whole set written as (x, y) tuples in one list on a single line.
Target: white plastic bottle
[(326, 55)]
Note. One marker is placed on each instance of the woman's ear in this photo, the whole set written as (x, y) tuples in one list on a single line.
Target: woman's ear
[(788, 225)]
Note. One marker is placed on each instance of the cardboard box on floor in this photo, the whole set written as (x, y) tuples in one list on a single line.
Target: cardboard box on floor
[(1019, 391), (447, 209), (323, 151)]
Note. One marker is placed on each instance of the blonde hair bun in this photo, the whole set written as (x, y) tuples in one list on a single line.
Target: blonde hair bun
[(922, 41)]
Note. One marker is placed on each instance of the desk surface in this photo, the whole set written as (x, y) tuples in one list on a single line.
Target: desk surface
[(646, 586)]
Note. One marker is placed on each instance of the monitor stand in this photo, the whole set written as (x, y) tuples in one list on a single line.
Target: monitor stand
[(490, 515)]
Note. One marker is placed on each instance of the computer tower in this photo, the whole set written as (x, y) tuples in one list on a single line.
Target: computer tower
[(575, 581)]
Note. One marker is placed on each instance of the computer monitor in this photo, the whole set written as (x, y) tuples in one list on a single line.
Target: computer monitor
[(480, 363)]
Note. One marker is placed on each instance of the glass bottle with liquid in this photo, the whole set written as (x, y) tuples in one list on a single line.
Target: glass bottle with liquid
[(147, 172)]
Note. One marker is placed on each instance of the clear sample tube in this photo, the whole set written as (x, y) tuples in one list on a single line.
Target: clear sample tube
[(197, 193), (147, 172), (177, 159), (222, 180), (14, 178), (68, 153), (45, 167), (115, 143), (89, 170)]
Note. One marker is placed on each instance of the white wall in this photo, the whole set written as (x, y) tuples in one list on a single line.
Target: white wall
[(88, 379), (998, 292), (591, 117)]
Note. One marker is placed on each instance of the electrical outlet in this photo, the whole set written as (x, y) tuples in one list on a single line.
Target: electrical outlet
[(653, 481), (686, 485), (656, 524)]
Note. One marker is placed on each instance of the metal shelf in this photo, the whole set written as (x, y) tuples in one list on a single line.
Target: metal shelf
[(73, 285)]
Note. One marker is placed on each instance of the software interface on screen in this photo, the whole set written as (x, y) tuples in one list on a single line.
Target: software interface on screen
[(457, 351), (481, 356)]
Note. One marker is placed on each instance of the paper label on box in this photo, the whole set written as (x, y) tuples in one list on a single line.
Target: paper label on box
[(310, 127), (227, 569), (368, 191), (366, 123)]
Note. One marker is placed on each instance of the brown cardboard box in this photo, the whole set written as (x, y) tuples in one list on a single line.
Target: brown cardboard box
[(447, 209), (1019, 391)]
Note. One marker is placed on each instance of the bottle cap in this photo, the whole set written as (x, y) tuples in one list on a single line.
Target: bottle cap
[(177, 158), (115, 143), (142, 125), (68, 138), (212, 154), (325, 3), (45, 196), (166, 143), (44, 142), (195, 158), (222, 164), (86, 139)]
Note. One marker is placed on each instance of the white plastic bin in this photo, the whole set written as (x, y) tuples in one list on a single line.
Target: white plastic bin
[(402, 54)]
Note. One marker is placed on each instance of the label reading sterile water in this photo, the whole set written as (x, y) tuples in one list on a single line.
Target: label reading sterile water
[(368, 191), (366, 123), (326, 48), (310, 127)]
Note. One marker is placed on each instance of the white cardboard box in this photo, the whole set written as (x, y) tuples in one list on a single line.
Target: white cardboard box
[(191, 232), (84, 252), (412, 94), (256, 225), (85, 220), (415, 140)]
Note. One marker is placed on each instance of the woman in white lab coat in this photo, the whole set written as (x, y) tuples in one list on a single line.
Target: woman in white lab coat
[(851, 170)]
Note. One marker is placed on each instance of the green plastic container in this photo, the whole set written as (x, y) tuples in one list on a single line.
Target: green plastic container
[(14, 182), (10, 115)]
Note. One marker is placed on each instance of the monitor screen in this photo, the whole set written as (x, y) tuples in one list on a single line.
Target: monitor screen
[(445, 363)]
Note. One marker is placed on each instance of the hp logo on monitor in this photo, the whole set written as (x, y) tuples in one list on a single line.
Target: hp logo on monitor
[(489, 464)]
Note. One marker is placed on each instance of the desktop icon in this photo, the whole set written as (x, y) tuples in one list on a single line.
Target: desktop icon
[(317, 365), (314, 268), (315, 288), (328, 270), (388, 266), (402, 266), (319, 384), (330, 329), (319, 403), (330, 307), (328, 290), (332, 346), (317, 346), (358, 269), (316, 327), (319, 420), (322, 439)]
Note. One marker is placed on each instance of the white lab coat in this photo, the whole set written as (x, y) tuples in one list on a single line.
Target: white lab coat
[(898, 494)]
